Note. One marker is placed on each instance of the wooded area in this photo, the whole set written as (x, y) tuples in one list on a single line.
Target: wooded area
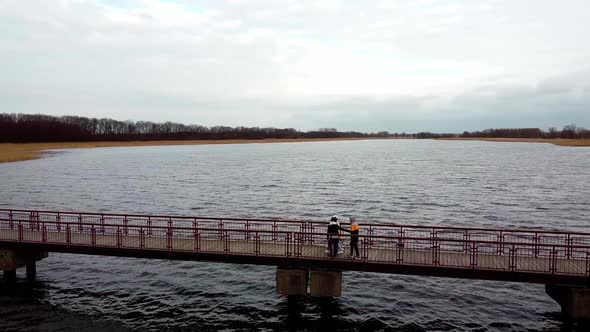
[(568, 132), (29, 128), (25, 128)]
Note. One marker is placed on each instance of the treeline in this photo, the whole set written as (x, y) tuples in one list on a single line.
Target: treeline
[(24, 128), (427, 134), (568, 132)]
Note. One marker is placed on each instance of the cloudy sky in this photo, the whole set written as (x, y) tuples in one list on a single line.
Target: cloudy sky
[(437, 65)]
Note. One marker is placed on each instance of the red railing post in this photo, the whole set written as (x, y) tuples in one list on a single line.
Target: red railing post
[(119, 240), (512, 258), (20, 232), (125, 224), (536, 244), (93, 235), (433, 244), (365, 248), (246, 233), (10, 220), (149, 227), (31, 220), (568, 248), (466, 239), (274, 232), (473, 255), (435, 252), (500, 243), (169, 237), (58, 219), (298, 241), (257, 244), (302, 229), (226, 241), (288, 244), (195, 228), (553, 261), (68, 234), (102, 223), (400, 245), (197, 240), (80, 222), (44, 233), (141, 238)]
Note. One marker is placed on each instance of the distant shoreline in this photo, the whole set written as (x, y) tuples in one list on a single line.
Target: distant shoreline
[(555, 141), (11, 152)]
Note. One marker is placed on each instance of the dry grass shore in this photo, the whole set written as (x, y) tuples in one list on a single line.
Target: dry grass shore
[(556, 141), (10, 152)]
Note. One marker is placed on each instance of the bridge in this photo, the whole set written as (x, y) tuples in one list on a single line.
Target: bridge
[(558, 259)]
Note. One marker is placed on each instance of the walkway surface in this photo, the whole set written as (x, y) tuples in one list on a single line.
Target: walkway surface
[(477, 253)]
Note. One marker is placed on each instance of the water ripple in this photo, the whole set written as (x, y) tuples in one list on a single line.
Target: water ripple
[(415, 182)]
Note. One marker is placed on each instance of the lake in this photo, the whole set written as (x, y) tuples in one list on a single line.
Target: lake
[(516, 185)]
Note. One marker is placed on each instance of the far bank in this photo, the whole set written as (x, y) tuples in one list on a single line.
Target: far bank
[(555, 141), (11, 152)]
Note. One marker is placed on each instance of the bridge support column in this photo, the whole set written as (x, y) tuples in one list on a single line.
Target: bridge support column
[(292, 281), (10, 275), (31, 270), (325, 283), (10, 260), (574, 300)]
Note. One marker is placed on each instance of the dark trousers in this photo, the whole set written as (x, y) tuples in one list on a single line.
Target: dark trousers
[(333, 247), (354, 244)]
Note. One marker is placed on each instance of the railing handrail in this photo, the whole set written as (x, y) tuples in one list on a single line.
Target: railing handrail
[(365, 225), (318, 234)]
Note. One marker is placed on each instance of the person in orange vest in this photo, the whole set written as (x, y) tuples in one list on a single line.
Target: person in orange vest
[(354, 236)]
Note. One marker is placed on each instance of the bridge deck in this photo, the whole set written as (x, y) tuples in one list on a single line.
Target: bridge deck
[(248, 248), (530, 256)]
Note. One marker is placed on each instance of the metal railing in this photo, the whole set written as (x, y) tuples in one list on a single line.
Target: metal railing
[(536, 251)]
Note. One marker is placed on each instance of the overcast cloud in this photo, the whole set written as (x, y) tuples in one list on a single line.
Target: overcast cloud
[(355, 65)]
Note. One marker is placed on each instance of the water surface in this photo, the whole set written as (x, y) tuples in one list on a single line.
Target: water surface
[(403, 181)]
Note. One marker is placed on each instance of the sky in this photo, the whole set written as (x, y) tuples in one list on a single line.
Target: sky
[(399, 66)]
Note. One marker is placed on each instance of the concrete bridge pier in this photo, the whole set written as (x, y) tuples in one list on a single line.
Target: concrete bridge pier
[(574, 301), (31, 270), (302, 281), (292, 281), (10, 260), (325, 283), (9, 275)]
